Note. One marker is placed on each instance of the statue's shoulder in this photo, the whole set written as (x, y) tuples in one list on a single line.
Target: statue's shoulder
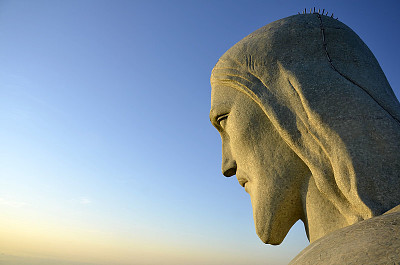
[(372, 241)]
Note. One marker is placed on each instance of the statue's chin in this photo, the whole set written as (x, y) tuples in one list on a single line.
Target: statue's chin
[(267, 235), (271, 240), (273, 215)]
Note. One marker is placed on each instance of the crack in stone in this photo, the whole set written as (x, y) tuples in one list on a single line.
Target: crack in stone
[(324, 44)]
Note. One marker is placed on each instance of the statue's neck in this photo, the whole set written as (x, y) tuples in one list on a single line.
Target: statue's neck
[(321, 217)]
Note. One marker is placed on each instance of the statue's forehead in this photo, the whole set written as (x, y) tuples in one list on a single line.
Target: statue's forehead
[(222, 97)]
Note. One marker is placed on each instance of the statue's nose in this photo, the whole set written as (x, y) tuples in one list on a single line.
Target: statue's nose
[(228, 163), (228, 167)]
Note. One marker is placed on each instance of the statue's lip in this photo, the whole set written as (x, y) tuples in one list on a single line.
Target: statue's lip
[(242, 181)]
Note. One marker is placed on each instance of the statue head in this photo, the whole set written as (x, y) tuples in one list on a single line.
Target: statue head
[(309, 125)]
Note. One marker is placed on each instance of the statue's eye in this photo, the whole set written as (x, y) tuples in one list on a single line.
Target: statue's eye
[(221, 120)]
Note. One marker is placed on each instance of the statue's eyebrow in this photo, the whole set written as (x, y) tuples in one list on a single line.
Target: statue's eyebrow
[(218, 110), (213, 116)]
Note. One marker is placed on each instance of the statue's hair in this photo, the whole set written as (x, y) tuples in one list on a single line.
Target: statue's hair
[(331, 103)]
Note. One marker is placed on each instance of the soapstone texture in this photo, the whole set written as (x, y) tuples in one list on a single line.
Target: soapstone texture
[(311, 128), (373, 241)]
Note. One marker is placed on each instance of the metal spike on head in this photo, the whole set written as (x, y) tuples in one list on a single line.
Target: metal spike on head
[(314, 10)]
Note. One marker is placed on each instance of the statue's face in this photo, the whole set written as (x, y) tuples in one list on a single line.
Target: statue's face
[(263, 163)]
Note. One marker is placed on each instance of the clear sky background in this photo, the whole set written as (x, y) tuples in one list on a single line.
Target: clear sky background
[(107, 153)]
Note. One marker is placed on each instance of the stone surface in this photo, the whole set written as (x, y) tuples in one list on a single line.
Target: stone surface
[(311, 128), (373, 241)]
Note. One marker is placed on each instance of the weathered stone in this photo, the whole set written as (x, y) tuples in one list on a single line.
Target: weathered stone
[(311, 128), (372, 241)]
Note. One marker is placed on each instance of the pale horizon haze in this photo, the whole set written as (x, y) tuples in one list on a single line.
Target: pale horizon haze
[(107, 152)]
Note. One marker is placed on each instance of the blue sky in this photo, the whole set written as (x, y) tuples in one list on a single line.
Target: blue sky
[(107, 153)]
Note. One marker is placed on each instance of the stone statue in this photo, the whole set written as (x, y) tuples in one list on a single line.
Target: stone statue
[(311, 128)]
